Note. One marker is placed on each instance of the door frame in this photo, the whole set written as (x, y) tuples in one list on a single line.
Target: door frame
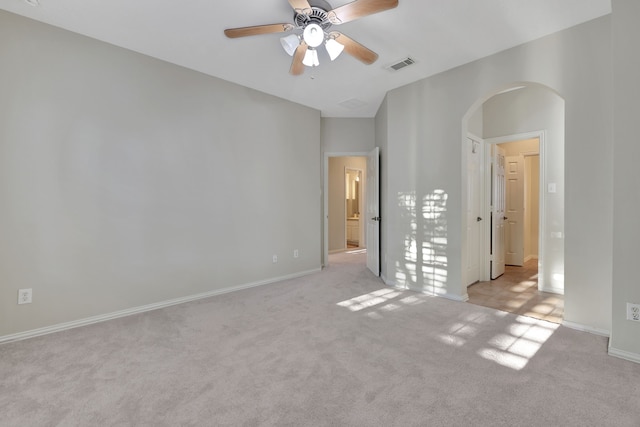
[(325, 199), (542, 222)]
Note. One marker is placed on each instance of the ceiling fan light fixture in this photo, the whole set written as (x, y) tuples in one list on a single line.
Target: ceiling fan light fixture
[(313, 35), (334, 49), (311, 58), (290, 43)]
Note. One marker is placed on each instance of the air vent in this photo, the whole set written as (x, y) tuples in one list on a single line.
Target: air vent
[(401, 64)]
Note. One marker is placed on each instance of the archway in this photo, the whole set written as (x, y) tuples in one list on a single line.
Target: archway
[(516, 111)]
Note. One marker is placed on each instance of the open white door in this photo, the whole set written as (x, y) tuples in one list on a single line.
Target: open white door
[(514, 224), (497, 213), (373, 211)]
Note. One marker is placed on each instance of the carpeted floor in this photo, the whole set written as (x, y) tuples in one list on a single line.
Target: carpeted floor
[(333, 349)]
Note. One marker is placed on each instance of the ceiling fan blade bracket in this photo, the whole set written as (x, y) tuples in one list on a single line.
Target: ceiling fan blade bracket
[(305, 11), (301, 6), (333, 18)]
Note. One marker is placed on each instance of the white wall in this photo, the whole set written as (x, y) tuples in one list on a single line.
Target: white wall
[(126, 181), (337, 198), (423, 192), (537, 108), (625, 339)]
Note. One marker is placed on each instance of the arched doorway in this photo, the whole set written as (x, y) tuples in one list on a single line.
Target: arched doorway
[(517, 112)]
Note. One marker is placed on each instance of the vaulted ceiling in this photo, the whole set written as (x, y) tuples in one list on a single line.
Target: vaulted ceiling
[(437, 34)]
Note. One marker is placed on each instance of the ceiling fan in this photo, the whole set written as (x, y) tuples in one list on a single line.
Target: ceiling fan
[(312, 20)]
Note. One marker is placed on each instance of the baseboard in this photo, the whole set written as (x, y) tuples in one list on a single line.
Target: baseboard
[(530, 257), (626, 355), (585, 328), (144, 308), (552, 290), (387, 281)]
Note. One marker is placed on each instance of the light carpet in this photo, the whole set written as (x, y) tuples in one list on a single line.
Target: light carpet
[(336, 348)]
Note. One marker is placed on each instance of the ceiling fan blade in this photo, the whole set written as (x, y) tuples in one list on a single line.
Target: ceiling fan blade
[(297, 67), (300, 5), (233, 33), (355, 49), (358, 9)]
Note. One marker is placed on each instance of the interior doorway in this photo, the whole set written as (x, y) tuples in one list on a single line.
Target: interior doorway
[(515, 203), (354, 183), (351, 206), (346, 198), (514, 190)]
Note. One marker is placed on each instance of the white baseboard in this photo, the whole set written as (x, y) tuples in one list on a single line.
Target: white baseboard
[(144, 308), (452, 297), (626, 355), (388, 282), (552, 290), (585, 328), (530, 257)]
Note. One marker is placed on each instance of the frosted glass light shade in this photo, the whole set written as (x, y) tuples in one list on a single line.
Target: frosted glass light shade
[(313, 35), (290, 43), (334, 49), (311, 58)]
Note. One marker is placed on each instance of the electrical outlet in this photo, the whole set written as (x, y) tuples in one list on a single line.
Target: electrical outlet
[(275, 259), (295, 253), (633, 312), (25, 296)]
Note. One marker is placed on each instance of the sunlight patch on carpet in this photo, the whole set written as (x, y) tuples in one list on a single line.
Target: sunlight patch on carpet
[(369, 300), (519, 343)]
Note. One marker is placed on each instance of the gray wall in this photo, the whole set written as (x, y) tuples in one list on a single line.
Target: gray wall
[(423, 191), (625, 339), (127, 181), (347, 135)]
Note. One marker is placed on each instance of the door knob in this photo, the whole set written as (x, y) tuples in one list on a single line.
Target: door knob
[(505, 218), (478, 219)]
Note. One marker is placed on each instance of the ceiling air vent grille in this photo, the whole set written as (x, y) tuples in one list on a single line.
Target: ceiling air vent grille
[(401, 64)]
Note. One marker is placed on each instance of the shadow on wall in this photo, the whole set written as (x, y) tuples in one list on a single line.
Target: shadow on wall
[(424, 264)]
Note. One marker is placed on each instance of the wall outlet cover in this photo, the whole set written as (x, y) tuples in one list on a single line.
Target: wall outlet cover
[(25, 296), (633, 312)]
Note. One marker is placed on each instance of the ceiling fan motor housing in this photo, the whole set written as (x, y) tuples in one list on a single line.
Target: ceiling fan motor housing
[(316, 16)]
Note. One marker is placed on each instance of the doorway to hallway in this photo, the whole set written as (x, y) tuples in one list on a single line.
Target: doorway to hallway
[(352, 205)]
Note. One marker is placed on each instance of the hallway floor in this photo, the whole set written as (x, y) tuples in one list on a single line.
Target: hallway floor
[(516, 291)]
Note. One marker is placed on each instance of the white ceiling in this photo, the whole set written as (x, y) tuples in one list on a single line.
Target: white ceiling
[(437, 34)]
